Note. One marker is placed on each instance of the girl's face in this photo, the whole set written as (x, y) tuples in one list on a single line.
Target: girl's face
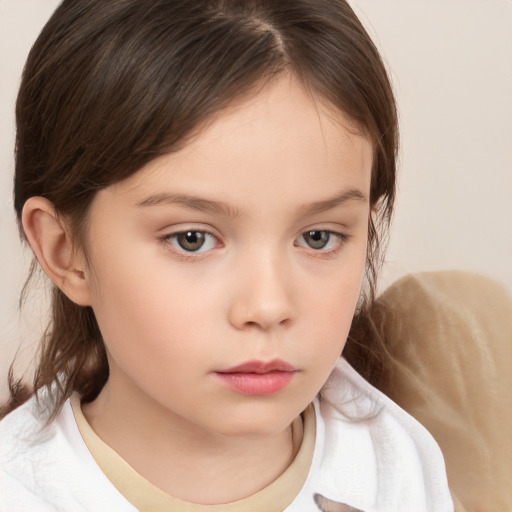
[(224, 276)]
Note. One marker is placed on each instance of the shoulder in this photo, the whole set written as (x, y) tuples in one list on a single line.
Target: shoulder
[(30, 455), (35, 462), (23, 443), (349, 397), (20, 430), (369, 439)]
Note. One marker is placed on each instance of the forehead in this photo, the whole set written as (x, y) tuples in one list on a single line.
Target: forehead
[(281, 136)]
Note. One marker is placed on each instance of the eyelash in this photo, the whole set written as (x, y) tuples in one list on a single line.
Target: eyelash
[(171, 242)]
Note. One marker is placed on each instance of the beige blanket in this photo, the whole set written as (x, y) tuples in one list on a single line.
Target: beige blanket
[(451, 336)]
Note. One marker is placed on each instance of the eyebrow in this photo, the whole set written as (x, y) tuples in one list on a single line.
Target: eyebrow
[(219, 207), (351, 194), (192, 202)]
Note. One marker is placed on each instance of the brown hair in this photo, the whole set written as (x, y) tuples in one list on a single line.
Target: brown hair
[(109, 86)]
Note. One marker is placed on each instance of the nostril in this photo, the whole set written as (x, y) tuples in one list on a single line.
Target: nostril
[(265, 325)]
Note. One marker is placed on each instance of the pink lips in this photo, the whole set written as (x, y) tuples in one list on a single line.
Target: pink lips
[(258, 378)]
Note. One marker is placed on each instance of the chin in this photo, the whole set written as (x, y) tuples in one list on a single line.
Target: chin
[(256, 421)]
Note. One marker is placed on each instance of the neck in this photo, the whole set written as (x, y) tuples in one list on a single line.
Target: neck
[(184, 460)]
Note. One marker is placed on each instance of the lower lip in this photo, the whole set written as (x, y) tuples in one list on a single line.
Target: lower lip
[(257, 384)]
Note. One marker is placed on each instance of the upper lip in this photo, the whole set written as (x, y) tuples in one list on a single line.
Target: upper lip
[(276, 365)]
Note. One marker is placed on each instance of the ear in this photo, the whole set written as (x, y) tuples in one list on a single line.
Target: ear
[(50, 240)]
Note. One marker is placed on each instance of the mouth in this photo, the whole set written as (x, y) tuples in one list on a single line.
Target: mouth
[(260, 367), (258, 378)]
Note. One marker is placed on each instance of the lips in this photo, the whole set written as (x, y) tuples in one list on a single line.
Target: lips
[(276, 365), (258, 378)]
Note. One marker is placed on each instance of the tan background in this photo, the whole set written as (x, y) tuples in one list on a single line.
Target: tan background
[(451, 64)]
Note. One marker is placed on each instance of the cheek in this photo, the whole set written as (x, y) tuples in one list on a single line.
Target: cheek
[(143, 336), (335, 309), (332, 306), (147, 311), (126, 302)]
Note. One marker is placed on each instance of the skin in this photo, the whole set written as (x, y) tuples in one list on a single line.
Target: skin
[(256, 290)]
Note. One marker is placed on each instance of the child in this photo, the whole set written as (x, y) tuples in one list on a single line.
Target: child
[(204, 184)]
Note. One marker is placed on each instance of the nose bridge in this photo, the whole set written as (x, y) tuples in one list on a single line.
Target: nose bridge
[(262, 295)]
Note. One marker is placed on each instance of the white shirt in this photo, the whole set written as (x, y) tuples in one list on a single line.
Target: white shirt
[(372, 456)]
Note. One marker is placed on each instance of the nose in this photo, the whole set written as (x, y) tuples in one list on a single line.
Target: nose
[(262, 297)]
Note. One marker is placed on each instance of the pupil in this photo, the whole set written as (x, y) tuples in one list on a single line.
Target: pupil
[(191, 237), (191, 240)]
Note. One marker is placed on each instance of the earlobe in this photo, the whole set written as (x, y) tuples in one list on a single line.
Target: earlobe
[(52, 245)]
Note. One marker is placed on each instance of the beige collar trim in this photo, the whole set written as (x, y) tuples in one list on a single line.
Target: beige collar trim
[(148, 498)]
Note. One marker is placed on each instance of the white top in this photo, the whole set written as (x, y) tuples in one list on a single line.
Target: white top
[(372, 457)]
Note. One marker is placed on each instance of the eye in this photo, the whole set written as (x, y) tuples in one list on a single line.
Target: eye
[(192, 241), (321, 240)]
